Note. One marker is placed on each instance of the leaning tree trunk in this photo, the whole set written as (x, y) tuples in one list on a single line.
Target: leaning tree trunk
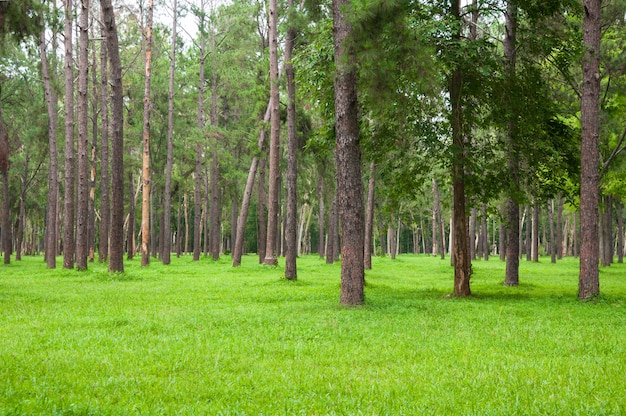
[(69, 243), (53, 184), (82, 211), (348, 160), (589, 281), (512, 206), (145, 160), (116, 262), (274, 154), (291, 243), (247, 193), (166, 245)]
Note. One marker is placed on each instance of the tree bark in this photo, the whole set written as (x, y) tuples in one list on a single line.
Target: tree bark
[(438, 229), (512, 206), (332, 232), (166, 246), (348, 160), (53, 184), (528, 234), (200, 122), (535, 232), (291, 245), (321, 192), (553, 246), (369, 218), (589, 281), (262, 211), (130, 232), (472, 233), (247, 193), (274, 154), (82, 211), (145, 160), (484, 232), (462, 263), (69, 243), (116, 263)]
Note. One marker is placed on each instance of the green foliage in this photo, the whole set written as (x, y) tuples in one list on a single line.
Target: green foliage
[(204, 338)]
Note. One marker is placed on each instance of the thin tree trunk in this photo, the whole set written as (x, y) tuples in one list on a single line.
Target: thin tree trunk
[(528, 233), (145, 165), (552, 231), (262, 211), (274, 153), (91, 217), (321, 191), (620, 231), (199, 149), (130, 232), (484, 232), (292, 164), (472, 233), (69, 243), (6, 217), (535, 232), (332, 232), (438, 218), (369, 218), (502, 241), (53, 184), (589, 281), (167, 203)]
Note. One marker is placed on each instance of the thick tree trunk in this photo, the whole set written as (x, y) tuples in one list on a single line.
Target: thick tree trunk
[(292, 164), (462, 263), (69, 243), (369, 218), (348, 160), (116, 263), (82, 211), (589, 281), (53, 184), (145, 160), (512, 207)]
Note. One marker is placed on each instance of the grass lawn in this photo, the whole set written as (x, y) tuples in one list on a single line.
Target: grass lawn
[(204, 338)]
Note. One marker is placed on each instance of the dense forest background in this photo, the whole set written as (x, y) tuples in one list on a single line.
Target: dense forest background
[(216, 116)]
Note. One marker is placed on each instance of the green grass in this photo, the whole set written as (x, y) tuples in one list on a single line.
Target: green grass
[(203, 338)]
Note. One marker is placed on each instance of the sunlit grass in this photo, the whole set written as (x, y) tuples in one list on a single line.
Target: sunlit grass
[(205, 338)]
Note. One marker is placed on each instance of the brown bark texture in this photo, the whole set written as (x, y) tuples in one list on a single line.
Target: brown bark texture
[(145, 160), (69, 243), (589, 281), (348, 161), (369, 218)]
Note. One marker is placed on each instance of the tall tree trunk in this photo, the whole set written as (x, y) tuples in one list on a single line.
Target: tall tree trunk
[(274, 154), (462, 263), (438, 218), (53, 184), (69, 243), (512, 207), (589, 281), (91, 216), (215, 206), (6, 204), (247, 193), (105, 206), (199, 149), (116, 263), (348, 161), (145, 160), (321, 192), (82, 211), (369, 218), (167, 203), (292, 149)]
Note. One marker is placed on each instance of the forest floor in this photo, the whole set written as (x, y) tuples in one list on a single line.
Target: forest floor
[(205, 338)]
